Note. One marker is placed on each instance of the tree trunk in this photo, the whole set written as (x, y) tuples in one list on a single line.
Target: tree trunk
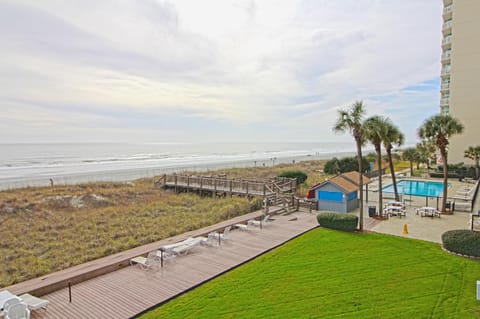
[(392, 172), (360, 182), (443, 153), (411, 168), (477, 168), (379, 163)]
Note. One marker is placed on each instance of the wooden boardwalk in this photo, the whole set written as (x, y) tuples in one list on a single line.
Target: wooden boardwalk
[(129, 291), (215, 185)]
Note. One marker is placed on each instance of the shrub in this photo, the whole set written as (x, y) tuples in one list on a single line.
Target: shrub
[(462, 241), (343, 165), (299, 175), (339, 221)]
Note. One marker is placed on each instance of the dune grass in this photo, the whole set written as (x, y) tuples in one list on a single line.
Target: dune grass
[(331, 274), (42, 232)]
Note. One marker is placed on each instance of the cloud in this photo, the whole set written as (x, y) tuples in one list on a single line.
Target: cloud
[(217, 67)]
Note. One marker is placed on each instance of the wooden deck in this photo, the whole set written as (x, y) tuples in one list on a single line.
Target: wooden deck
[(129, 291)]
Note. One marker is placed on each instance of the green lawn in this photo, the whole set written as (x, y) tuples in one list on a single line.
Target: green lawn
[(329, 274)]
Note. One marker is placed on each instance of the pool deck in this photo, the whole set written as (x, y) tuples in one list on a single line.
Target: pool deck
[(425, 228)]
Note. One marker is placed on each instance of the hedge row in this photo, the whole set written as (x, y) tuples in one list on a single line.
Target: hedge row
[(299, 175), (339, 221), (462, 241)]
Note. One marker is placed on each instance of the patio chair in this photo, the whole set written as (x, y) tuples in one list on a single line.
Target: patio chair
[(146, 263), (220, 236), (259, 223), (17, 311), (33, 302)]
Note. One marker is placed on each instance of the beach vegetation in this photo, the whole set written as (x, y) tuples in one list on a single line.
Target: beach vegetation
[(331, 274), (438, 130), (49, 229), (350, 120)]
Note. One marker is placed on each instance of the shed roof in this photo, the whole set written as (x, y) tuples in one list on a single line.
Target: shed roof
[(348, 182), (354, 177), (344, 184)]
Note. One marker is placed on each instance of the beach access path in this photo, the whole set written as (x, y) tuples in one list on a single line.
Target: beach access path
[(130, 290)]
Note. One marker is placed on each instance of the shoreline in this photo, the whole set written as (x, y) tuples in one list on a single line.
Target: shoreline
[(131, 174)]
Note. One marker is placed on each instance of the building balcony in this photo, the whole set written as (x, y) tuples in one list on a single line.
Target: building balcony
[(447, 42), (445, 72), (446, 57), (447, 2), (445, 87), (445, 109), (447, 27), (447, 12), (444, 102)]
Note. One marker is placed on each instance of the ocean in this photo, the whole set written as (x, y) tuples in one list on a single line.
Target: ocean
[(23, 165)]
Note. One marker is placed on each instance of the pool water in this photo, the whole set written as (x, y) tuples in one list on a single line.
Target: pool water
[(417, 188)]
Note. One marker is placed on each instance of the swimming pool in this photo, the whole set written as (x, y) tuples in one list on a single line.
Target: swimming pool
[(417, 188)]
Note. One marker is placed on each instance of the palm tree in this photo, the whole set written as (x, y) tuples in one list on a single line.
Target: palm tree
[(473, 153), (425, 150), (393, 136), (375, 131), (350, 120), (439, 129), (410, 154)]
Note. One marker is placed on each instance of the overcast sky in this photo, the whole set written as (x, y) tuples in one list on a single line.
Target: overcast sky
[(213, 70)]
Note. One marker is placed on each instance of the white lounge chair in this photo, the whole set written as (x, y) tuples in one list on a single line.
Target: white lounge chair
[(11, 301), (184, 247), (220, 236), (259, 223), (146, 263), (33, 302), (241, 227), (17, 311)]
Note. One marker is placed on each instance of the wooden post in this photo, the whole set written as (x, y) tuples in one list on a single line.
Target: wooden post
[(176, 179), (264, 190), (247, 187), (471, 222), (188, 183), (214, 187), (69, 292), (231, 188)]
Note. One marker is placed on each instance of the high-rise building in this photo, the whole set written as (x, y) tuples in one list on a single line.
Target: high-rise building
[(460, 78)]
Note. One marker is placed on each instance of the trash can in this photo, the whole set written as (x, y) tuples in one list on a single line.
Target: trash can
[(448, 205), (372, 211)]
